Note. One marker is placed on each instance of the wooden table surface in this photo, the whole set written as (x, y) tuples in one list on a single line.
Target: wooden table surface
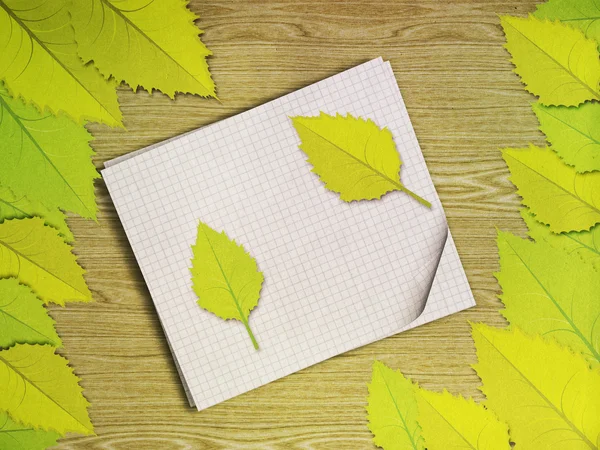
[(465, 104)]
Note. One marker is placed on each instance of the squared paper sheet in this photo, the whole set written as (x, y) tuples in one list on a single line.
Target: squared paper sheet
[(337, 275)]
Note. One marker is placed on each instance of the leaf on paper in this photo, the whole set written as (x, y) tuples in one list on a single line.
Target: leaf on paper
[(39, 389), (555, 62), (46, 158), (352, 156), (573, 132), (103, 27), (455, 422), (392, 410), (545, 393), (554, 192), (23, 317), (39, 62), (583, 14), (37, 255), (549, 292), (13, 207), (16, 436), (225, 277)]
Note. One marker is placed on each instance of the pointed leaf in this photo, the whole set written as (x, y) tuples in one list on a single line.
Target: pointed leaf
[(225, 277), (555, 62), (16, 436), (352, 156), (392, 410), (455, 422), (574, 133), (553, 191), (102, 27), (549, 292), (37, 255), (23, 318), (39, 62), (583, 14), (46, 158), (38, 388)]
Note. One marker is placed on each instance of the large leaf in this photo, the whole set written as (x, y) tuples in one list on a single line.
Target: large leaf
[(16, 436), (46, 158), (38, 388), (574, 133), (39, 62), (553, 191), (555, 62), (549, 396), (37, 255), (134, 41), (583, 14), (549, 292), (13, 207), (352, 156), (450, 422), (225, 277), (23, 318), (392, 410)]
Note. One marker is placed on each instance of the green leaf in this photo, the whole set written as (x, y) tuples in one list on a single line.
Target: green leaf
[(547, 395), (583, 14), (23, 318), (13, 207), (574, 133), (225, 277), (39, 389), (130, 40), (557, 195), (39, 62), (549, 292), (555, 62), (392, 410), (16, 436), (37, 255), (352, 156), (46, 158)]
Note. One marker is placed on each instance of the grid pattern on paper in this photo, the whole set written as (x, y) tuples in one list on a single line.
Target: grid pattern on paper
[(337, 275)]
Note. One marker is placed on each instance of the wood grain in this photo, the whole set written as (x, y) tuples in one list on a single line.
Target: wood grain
[(465, 104)]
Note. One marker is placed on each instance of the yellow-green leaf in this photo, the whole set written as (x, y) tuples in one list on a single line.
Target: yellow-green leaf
[(573, 132), (392, 410), (154, 44), (37, 255), (555, 193), (16, 436), (583, 14), (352, 156), (454, 422), (547, 395), (549, 292), (39, 62), (555, 62), (46, 158), (23, 318), (38, 388), (225, 277)]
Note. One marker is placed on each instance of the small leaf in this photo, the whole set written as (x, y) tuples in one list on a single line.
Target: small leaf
[(37, 255), (392, 410), (549, 292), (352, 156), (574, 133), (102, 27), (454, 422), (546, 394), (16, 436), (583, 14), (23, 317), (46, 158), (555, 62), (39, 389), (39, 62), (225, 277), (554, 192)]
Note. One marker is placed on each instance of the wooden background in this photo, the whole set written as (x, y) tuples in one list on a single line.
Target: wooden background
[(465, 104)]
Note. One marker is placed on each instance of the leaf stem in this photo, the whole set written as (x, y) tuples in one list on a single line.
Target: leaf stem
[(404, 189), (245, 322)]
